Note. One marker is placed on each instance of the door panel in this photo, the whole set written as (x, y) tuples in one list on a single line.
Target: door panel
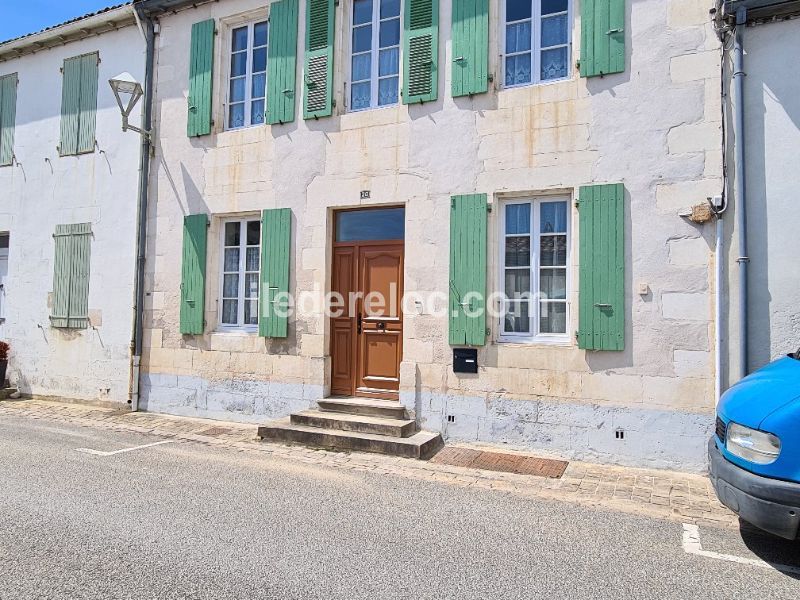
[(343, 327)]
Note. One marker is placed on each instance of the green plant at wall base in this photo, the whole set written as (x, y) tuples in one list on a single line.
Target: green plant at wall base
[(5, 347)]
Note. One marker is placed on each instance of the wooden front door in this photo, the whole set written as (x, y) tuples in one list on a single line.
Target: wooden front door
[(367, 339)]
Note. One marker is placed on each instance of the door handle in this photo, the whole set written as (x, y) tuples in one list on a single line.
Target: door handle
[(358, 323)]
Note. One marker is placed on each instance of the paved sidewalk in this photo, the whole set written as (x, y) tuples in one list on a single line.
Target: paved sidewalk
[(668, 495)]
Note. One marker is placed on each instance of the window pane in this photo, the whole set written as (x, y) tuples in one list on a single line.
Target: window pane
[(231, 260), (362, 11), (390, 33), (232, 231), (553, 251), (362, 38), (518, 218), (518, 37), (553, 317), (237, 90), (518, 251), (554, 31), (554, 217), (251, 285), (387, 91), (259, 86), (370, 224), (553, 284), (553, 6), (516, 319), (361, 66), (236, 116), (554, 63), (516, 10), (229, 310), (390, 8), (253, 233), (361, 95), (252, 259), (230, 286), (257, 113), (518, 69), (389, 62), (251, 312), (518, 282), (239, 39), (259, 60), (238, 64), (260, 34)]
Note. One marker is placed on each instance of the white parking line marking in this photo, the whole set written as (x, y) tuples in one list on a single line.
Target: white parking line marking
[(692, 545), (101, 453)]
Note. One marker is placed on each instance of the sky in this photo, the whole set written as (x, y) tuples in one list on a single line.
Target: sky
[(19, 17)]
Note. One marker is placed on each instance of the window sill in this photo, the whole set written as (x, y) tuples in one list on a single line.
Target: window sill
[(563, 342), (236, 331), (518, 86)]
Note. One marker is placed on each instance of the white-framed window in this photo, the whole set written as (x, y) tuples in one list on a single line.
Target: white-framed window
[(537, 41), (535, 272), (239, 277), (375, 53), (247, 75)]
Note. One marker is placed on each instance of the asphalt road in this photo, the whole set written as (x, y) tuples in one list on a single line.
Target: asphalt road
[(182, 520)]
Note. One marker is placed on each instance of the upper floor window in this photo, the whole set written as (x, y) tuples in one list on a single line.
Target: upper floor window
[(534, 252), (247, 87), (375, 64), (536, 40), (241, 262)]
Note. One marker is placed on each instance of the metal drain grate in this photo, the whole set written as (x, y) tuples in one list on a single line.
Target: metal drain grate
[(501, 462)]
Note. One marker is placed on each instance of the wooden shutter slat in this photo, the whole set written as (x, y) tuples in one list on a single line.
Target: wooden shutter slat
[(193, 274), (276, 227), (318, 71), (602, 268), (201, 69), (87, 116), (282, 62), (468, 227), (471, 45), (602, 37), (8, 117), (420, 51)]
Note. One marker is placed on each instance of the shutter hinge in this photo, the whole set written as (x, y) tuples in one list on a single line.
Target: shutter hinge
[(577, 203), (577, 335), (488, 207)]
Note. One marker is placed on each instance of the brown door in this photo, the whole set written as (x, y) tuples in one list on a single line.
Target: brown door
[(367, 339)]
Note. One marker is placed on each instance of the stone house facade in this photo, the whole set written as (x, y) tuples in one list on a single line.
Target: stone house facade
[(535, 145), (68, 203)]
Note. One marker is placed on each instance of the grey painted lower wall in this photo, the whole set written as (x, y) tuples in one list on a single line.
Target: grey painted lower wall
[(652, 438), (230, 400)]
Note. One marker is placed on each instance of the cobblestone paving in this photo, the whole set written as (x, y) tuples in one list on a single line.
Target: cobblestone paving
[(668, 495)]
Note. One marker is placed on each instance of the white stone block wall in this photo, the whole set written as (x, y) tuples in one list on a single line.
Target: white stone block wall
[(43, 190), (655, 128)]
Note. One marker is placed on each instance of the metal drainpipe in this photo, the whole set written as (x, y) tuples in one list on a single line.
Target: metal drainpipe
[(144, 178), (739, 191)]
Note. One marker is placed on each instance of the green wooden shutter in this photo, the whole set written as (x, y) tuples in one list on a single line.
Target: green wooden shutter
[(87, 118), (70, 307), (201, 84), (8, 117), (470, 47), (282, 62), (602, 37), (320, 18), (468, 216), (276, 232), (602, 267), (70, 106), (420, 51), (193, 274)]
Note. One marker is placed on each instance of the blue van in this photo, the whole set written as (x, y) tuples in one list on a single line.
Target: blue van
[(754, 456)]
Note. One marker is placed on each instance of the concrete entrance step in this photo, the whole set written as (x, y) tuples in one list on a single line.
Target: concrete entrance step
[(421, 445), (362, 406), (401, 428)]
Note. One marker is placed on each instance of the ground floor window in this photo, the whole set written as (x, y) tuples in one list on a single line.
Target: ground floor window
[(534, 252), (241, 262)]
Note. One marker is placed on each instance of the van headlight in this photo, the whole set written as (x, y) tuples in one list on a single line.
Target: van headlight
[(752, 445)]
